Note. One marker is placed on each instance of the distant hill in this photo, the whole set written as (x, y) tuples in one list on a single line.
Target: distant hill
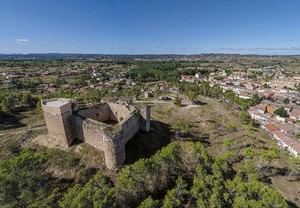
[(125, 56)]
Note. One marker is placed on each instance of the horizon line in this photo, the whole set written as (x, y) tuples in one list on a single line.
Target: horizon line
[(144, 54)]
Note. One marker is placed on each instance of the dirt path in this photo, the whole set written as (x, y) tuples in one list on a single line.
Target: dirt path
[(31, 128), (152, 101)]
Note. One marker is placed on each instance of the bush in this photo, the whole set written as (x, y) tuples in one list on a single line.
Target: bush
[(176, 196), (178, 101), (149, 176), (98, 192), (22, 180), (149, 203), (281, 112)]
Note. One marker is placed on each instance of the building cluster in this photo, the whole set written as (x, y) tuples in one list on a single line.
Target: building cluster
[(62, 72), (109, 78), (96, 76), (284, 129), (35, 76), (278, 92), (245, 84), (198, 77), (158, 88)]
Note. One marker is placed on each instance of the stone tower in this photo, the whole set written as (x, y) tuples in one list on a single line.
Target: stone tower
[(57, 114)]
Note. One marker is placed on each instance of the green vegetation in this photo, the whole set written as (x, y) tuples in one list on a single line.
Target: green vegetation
[(286, 101), (154, 71), (176, 196), (214, 183), (269, 155), (178, 101), (149, 203), (178, 175), (281, 112), (11, 101), (182, 126), (192, 95), (228, 97), (98, 192), (245, 117), (227, 143), (25, 183)]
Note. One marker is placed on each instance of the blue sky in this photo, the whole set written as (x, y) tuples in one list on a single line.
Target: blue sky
[(150, 26)]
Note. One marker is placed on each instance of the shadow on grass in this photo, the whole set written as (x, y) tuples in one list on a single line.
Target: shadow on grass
[(144, 144), (204, 138), (9, 120), (292, 204), (198, 102)]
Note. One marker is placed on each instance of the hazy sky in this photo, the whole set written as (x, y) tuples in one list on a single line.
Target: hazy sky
[(150, 26)]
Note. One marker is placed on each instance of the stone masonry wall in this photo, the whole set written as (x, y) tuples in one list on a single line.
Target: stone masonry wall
[(58, 125), (120, 111), (109, 139), (99, 113), (130, 127)]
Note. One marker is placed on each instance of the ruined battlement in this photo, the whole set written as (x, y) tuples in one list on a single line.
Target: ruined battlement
[(106, 126)]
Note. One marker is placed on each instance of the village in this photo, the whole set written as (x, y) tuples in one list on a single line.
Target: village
[(149, 104), (278, 112), (97, 111)]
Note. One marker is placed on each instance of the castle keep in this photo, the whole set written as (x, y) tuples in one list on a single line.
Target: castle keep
[(106, 126)]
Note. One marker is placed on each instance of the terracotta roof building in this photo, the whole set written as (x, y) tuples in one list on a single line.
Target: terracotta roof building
[(287, 142)]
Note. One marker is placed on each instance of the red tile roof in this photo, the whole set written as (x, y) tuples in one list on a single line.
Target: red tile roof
[(260, 107), (295, 112), (271, 127), (286, 127), (288, 140)]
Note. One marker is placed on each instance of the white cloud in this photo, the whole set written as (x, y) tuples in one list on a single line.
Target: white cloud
[(21, 41)]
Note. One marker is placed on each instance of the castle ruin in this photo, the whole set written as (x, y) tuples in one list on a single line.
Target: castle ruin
[(106, 126)]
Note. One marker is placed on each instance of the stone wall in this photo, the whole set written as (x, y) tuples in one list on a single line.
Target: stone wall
[(120, 111), (100, 112), (130, 127), (89, 125), (109, 139)]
